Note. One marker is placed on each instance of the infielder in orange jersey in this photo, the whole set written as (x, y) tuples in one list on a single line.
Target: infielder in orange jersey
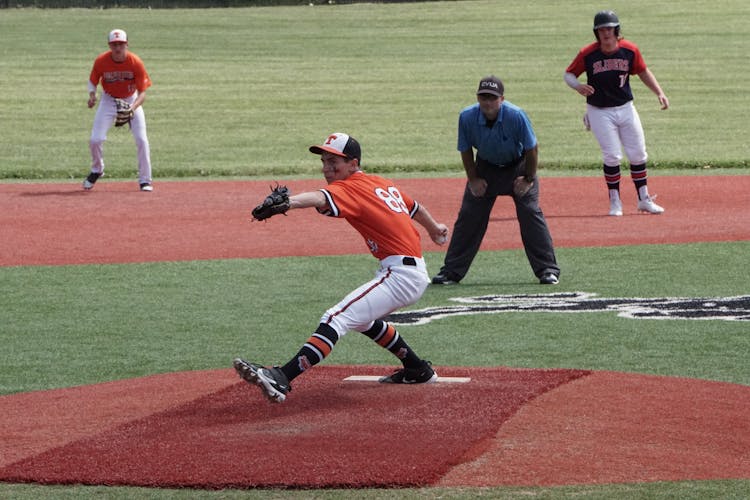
[(382, 214), (122, 75)]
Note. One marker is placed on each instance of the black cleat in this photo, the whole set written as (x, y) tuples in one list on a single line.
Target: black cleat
[(272, 381), (422, 375)]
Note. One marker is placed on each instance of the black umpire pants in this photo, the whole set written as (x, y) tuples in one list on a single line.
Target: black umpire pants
[(474, 216)]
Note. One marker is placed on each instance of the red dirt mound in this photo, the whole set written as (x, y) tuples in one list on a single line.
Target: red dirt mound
[(506, 427), (329, 433)]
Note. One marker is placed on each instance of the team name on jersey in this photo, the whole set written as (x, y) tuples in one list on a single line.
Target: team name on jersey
[(611, 65), (118, 76)]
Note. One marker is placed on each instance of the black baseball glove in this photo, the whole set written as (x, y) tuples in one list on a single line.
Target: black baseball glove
[(124, 113), (275, 203)]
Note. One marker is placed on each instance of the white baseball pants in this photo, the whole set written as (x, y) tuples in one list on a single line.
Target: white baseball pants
[(618, 128), (395, 285), (103, 121)]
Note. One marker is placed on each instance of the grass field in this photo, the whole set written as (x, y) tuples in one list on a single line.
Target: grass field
[(96, 323), (243, 92)]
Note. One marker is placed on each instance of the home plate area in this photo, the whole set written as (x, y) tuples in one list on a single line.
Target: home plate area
[(337, 428)]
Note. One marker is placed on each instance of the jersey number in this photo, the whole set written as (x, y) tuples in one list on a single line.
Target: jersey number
[(392, 198)]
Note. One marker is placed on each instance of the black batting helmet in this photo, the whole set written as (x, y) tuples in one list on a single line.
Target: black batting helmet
[(606, 19)]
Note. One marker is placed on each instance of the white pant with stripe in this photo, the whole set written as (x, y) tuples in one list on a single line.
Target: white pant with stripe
[(394, 286)]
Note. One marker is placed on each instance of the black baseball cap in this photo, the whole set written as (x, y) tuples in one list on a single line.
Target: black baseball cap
[(491, 85), (340, 144)]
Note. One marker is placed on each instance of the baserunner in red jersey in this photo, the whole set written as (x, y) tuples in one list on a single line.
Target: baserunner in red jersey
[(610, 114)]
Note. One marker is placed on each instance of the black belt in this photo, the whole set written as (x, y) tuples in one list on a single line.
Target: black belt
[(485, 163), (409, 261)]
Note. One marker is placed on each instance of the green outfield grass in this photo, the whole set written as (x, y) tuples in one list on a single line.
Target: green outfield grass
[(94, 323), (245, 91)]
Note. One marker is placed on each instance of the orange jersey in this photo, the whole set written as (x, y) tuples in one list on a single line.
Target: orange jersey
[(120, 79), (381, 213)]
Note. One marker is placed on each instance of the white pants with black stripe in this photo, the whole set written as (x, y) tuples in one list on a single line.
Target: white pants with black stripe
[(394, 286)]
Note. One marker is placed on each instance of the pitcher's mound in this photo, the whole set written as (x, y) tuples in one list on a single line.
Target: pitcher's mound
[(502, 426)]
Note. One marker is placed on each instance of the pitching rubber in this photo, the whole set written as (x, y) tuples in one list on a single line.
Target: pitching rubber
[(376, 378)]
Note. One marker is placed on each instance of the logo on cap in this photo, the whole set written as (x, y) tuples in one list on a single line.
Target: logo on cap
[(339, 144), (491, 85), (117, 36)]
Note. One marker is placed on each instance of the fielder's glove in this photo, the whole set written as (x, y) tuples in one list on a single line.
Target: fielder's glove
[(275, 203), (124, 113)]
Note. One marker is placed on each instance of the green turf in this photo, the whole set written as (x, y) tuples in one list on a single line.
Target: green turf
[(245, 91), (73, 325)]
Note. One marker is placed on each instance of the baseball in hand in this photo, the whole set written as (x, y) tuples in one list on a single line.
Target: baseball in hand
[(442, 239)]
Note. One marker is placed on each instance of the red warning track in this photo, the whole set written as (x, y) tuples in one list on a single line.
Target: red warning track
[(506, 427)]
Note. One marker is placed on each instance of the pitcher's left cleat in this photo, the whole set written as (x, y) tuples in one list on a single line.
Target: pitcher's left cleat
[(271, 381)]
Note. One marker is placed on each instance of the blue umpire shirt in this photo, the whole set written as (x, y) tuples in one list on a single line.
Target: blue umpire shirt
[(502, 144)]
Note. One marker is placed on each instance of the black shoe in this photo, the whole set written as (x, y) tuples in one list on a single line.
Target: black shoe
[(91, 180), (422, 375), (272, 381), (445, 278), (549, 279), (146, 187)]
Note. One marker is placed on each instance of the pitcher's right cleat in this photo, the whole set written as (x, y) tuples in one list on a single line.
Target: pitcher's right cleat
[(422, 375), (271, 381), (648, 205)]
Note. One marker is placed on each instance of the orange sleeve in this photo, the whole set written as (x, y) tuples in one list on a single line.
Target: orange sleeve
[(142, 80), (96, 71)]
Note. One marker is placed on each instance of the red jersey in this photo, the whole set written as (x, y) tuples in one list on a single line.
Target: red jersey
[(609, 74), (381, 213), (120, 79)]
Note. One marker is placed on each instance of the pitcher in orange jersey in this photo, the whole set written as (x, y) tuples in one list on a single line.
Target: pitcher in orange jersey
[(382, 214), (122, 75)]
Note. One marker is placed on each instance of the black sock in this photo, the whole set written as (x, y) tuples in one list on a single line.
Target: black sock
[(318, 346), (387, 337), (639, 174), (612, 177)]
